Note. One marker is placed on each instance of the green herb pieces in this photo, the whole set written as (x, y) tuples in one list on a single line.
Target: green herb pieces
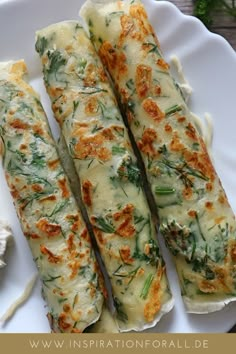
[(118, 150), (95, 129), (154, 48), (164, 190), (75, 106), (41, 45), (90, 90), (61, 300), (204, 9), (109, 17), (117, 184), (104, 224), (38, 159), (146, 287), (199, 227), (59, 207), (130, 274), (171, 110), (129, 170), (56, 60), (50, 279), (200, 265), (181, 169)]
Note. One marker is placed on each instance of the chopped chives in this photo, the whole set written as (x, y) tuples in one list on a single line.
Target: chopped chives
[(164, 190), (146, 287), (171, 110)]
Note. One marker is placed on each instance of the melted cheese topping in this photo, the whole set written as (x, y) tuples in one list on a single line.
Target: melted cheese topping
[(6, 238), (97, 140), (46, 208), (195, 218)]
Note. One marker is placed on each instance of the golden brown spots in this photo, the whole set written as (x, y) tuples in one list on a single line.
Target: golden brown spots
[(163, 64), (55, 91), (219, 220), (209, 187), (82, 255), (64, 188), (18, 124), (168, 128), (156, 90), (143, 78), (92, 106), (91, 146), (146, 143), (99, 236), (187, 193), (32, 235), (87, 188), (124, 93), (48, 228), (126, 228), (207, 287), (37, 188), (181, 119), (23, 147), (152, 109), (130, 116), (66, 308), (108, 55), (191, 132), (53, 164), (90, 75), (92, 291), (233, 252), (201, 162), (74, 265), (138, 12), (147, 249), (112, 59), (127, 26), (14, 192), (52, 258), (140, 272), (85, 235), (104, 154), (175, 144), (205, 164), (63, 325), (38, 129), (75, 330), (125, 254), (192, 213), (222, 199), (101, 74), (108, 134), (50, 198), (153, 305), (209, 205), (69, 48), (70, 243)]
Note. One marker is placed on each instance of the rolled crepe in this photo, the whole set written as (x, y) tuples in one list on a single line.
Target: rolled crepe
[(85, 107), (46, 208), (195, 217)]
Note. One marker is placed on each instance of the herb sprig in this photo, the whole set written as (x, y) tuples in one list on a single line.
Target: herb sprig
[(204, 9)]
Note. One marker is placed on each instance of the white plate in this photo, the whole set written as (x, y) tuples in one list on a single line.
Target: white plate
[(210, 66)]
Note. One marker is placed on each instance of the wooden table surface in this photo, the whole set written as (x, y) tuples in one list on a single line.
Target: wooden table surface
[(223, 24)]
